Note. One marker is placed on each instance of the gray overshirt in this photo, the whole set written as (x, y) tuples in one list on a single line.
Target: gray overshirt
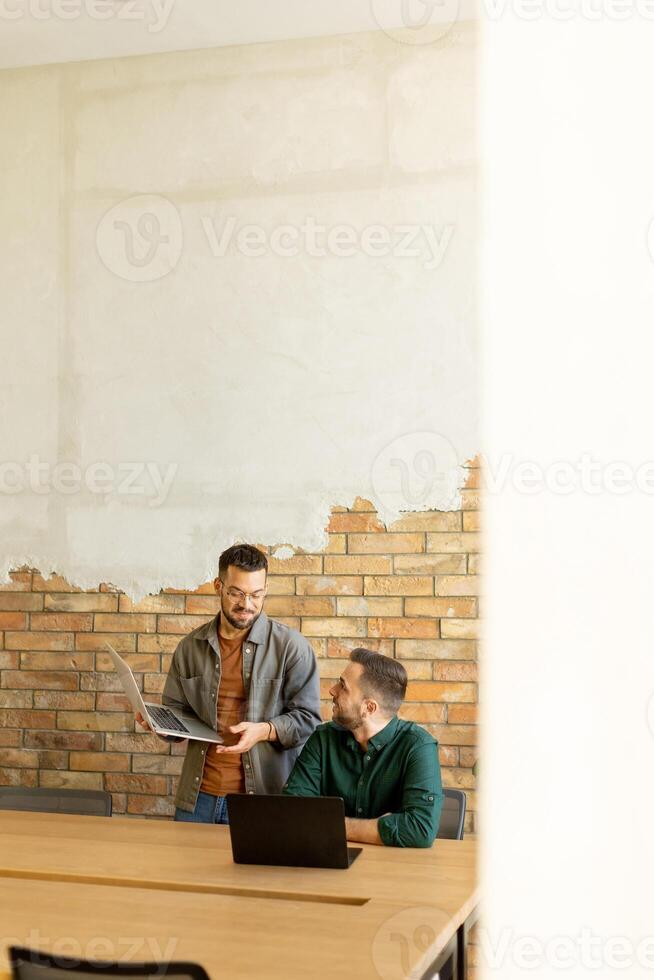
[(281, 681)]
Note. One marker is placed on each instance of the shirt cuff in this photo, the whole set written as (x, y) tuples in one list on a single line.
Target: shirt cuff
[(283, 728), (387, 827)]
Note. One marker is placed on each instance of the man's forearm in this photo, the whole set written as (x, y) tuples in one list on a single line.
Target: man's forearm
[(362, 831)]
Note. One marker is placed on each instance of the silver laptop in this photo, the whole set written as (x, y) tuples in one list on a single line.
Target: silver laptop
[(162, 720)]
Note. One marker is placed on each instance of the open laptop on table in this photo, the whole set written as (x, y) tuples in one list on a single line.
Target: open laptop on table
[(162, 720), (295, 831)]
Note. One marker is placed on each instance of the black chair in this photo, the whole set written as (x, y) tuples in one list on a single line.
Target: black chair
[(89, 802), (28, 964), (452, 815)]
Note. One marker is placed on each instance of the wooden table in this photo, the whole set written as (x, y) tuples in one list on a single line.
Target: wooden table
[(152, 890)]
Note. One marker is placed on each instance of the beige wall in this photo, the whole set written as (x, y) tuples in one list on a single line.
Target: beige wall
[(247, 392)]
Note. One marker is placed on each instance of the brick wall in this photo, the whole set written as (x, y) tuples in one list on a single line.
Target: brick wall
[(409, 592)]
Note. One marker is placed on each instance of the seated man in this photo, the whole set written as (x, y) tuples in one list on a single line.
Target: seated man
[(386, 770)]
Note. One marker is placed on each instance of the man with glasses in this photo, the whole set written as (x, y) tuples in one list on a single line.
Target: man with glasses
[(254, 680)]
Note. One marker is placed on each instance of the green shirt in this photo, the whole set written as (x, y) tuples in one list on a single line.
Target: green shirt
[(399, 774)]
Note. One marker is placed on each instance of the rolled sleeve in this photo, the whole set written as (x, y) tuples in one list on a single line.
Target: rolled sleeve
[(301, 696), (306, 777), (415, 824)]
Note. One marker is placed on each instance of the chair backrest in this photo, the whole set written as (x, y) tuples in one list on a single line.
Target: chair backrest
[(452, 815), (28, 964), (91, 802)]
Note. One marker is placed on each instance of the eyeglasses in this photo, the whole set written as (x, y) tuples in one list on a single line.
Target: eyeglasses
[(237, 594)]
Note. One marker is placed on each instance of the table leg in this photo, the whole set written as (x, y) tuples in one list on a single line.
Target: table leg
[(462, 944)]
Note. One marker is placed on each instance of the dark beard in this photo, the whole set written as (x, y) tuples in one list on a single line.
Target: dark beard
[(234, 622), (350, 723)]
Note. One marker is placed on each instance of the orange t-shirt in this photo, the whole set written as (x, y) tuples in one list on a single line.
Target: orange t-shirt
[(224, 773)]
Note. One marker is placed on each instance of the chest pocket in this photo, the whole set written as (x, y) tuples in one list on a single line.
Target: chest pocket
[(267, 695), (196, 694)]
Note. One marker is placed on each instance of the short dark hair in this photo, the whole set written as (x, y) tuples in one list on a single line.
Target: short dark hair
[(383, 678), (244, 556)]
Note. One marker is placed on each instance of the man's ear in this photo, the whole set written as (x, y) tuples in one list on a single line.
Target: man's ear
[(217, 584), (372, 706)]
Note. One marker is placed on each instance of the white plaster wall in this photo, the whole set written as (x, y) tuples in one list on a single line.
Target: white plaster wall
[(262, 388)]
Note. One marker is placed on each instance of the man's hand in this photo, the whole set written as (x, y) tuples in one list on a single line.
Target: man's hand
[(142, 722), (363, 831), (251, 732)]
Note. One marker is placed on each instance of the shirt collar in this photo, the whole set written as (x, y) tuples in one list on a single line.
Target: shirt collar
[(378, 741), (387, 734), (257, 633), (259, 630)]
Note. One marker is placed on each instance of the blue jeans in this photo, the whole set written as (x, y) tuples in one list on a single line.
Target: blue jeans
[(208, 809)]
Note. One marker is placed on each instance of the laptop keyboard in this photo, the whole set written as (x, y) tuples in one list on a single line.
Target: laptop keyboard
[(166, 719)]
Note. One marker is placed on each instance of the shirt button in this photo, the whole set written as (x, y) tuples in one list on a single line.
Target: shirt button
[(359, 810), (247, 765), (367, 758), (197, 779), (250, 792)]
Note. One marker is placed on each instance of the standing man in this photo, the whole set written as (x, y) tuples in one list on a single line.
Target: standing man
[(254, 680), (385, 769)]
